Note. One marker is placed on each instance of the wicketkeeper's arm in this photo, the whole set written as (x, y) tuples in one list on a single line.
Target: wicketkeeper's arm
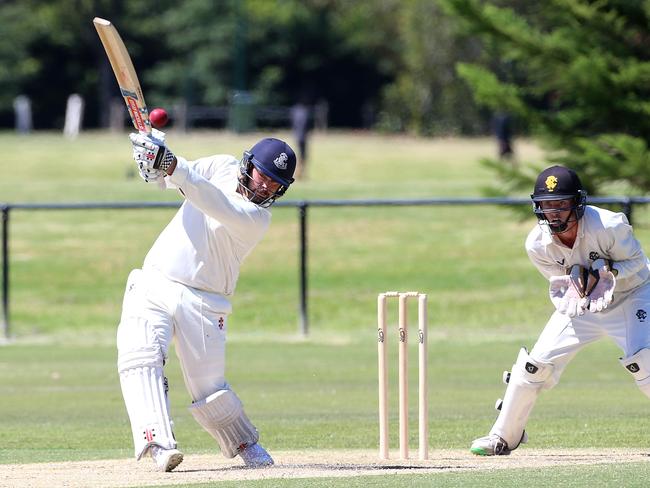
[(625, 251)]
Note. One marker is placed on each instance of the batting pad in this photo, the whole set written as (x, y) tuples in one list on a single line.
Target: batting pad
[(222, 415), (639, 366), (526, 380), (143, 388)]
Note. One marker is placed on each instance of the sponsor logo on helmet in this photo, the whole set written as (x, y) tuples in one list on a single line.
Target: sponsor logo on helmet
[(281, 161), (551, 183)]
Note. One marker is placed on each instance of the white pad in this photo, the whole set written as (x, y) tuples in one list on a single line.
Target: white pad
[(222, 415), (526, 380), (143, 387), (639, 366)]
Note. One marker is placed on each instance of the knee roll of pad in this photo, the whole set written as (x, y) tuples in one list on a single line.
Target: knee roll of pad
[(222, 415), (149, 356), (638, 365), (530, 371)]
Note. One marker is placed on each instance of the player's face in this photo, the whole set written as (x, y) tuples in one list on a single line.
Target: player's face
[(557, 211), (261, 186)]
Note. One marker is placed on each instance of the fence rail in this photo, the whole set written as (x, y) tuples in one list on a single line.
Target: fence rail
[(303, 206)]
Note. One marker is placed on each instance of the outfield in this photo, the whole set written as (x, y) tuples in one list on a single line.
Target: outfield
[(60, 392)]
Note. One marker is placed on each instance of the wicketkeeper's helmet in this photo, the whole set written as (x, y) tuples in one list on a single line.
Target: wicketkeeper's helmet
[(558, 183)]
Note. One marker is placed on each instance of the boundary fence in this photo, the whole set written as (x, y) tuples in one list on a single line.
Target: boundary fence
[(302, 206)]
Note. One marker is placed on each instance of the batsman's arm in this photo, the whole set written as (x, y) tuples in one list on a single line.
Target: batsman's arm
[(243, 220)]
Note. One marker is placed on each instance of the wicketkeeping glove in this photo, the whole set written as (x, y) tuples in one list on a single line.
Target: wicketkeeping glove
[(150, 152), (567, 292), (600, 285)]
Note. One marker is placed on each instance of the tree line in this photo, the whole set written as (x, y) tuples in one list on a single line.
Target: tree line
[(574, 73), (386, 64)]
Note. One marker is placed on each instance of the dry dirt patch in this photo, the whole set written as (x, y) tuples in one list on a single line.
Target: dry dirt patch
[(114, 473)]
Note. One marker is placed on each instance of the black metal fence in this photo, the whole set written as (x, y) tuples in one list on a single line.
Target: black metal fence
[(302, 206)]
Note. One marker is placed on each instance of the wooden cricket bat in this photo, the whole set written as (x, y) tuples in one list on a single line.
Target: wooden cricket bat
[(124, 71)]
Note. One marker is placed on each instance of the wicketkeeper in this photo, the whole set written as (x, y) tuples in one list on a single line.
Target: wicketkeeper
[(598, 277), (183, 293)]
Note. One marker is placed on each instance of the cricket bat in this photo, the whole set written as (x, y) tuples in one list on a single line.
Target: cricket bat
[(124, 71)]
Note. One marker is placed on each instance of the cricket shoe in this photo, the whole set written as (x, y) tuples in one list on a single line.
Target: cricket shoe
[(255, 456), (491, 445), (166, 459)]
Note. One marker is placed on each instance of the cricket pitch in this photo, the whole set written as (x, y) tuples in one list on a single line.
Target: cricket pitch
[(201, 468)]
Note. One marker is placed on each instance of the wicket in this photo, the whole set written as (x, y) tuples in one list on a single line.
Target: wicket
[(403, 374)]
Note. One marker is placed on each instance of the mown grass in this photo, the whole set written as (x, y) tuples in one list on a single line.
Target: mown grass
[(59, 389)]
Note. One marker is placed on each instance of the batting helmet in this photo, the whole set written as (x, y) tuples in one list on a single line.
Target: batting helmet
[(273, 158)]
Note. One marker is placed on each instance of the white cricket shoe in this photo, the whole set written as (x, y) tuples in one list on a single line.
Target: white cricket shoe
[(491, 445), (255, 456), (166, 459)]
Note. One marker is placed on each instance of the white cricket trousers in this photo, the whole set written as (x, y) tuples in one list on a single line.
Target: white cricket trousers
[(195, 320), (626, 321)]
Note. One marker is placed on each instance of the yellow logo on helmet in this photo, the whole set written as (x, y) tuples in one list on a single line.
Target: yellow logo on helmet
[(551, 183)]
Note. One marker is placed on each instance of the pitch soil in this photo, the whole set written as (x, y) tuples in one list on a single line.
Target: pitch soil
[(114, 473)]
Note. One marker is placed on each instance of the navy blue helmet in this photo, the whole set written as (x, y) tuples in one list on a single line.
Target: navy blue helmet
[(273, 158)]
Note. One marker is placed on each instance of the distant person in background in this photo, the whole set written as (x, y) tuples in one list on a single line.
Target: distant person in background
[(300, 120), (599, 284), (502, 127), (23, 113), (182, 293)]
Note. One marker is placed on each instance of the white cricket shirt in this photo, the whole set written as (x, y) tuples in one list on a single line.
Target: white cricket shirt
[(214, 230), (601, 234)]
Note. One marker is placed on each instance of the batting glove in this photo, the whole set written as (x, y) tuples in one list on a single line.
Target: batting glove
[(150, 151), (150, 175)]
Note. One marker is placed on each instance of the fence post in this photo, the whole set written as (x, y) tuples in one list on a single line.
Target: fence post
[(304, 319), (5, 271), (627, 209)]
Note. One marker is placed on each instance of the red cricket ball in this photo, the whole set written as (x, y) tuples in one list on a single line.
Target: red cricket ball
[(158, 118)]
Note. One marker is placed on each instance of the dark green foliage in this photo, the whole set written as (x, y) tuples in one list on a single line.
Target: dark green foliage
[(578, 75), (387, 64)]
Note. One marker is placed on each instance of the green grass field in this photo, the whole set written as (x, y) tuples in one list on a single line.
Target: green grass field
[(59, 387)]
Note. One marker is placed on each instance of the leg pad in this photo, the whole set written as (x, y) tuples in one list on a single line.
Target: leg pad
[(527, 378), (639, 366), (222, 415)]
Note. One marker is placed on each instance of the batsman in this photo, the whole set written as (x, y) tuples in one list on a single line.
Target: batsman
[(182, 293), (599, 285)]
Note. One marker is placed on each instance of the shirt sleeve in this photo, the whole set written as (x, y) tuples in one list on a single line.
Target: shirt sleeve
[(624, 249), (544, 264), (242, 218), (205, 167)]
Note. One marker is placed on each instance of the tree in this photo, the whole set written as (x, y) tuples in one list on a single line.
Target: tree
[(427, 96), (578, 76), (278, 50)]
